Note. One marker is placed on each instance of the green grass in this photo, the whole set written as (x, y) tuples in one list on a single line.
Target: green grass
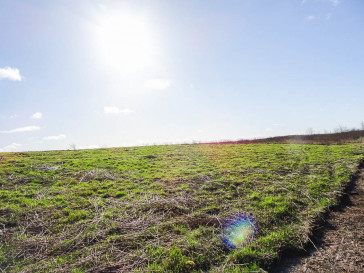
[(161, 208)]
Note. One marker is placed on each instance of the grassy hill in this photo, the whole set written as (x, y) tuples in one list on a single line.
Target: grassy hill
[(165, 208), (352, 136)]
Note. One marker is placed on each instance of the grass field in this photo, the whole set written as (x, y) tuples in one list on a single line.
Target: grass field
[(164, 208)]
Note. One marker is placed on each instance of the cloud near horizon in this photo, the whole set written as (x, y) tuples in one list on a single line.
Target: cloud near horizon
[(158, 84), (11, 147), (11, 74), (21, 130), (61, 136), (116, 110), (37, 115)]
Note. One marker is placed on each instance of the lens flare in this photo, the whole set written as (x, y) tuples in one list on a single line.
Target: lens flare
[(240, 231)]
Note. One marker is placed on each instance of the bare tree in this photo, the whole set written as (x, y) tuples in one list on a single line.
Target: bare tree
[(362, 125), (341, 129), (309, 131), (73, 146)]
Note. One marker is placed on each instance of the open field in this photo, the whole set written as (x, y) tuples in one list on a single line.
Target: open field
[(164, 208)]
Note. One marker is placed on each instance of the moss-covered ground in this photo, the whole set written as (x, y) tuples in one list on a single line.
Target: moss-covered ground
[(163, 208)]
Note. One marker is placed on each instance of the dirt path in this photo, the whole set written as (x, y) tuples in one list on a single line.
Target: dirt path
[(339, 242)]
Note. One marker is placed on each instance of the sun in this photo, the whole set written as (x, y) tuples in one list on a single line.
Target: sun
[(125, 41)]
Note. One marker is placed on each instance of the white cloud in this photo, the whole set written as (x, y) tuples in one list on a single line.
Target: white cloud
[(335, 2), (9, 117), (9, 73), (11, 147), (116, 110), (310, 18), (61, 136), (37, 115), (20, 130), (158, 84)]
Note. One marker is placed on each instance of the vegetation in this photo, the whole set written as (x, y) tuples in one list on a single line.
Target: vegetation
[(342, 136), (163, 208)]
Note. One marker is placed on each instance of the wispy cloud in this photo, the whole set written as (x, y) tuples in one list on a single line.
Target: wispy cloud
[(310, 18), (335, 2), (116, 110), (11, 74), (9, 117), (159, 84), (37, 115), (21, 130), (61, 136), (11, 147)]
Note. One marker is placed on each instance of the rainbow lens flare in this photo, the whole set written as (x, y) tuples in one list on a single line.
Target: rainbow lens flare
[(240, 231)]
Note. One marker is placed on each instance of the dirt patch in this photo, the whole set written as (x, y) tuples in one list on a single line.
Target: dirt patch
[(339, 241)]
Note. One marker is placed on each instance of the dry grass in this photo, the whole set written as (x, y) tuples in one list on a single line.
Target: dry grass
[(338, 240)]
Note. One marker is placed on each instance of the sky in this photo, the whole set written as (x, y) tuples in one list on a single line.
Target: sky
[(91, 74)]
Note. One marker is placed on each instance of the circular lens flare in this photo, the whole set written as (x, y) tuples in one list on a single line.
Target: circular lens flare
[(240, 231)]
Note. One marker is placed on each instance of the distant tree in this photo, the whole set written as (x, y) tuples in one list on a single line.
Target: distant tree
[(341, 129), (73, 146), (362, 125), (309, 131)]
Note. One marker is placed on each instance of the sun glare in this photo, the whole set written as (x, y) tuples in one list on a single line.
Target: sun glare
[(125, 42)]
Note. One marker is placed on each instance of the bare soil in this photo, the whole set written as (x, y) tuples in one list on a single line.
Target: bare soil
[(338, 242)]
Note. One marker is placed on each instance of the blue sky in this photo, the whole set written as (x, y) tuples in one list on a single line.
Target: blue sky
[(124, 73)]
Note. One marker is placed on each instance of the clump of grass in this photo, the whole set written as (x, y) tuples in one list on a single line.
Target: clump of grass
[(120, 194), (75, 216)]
